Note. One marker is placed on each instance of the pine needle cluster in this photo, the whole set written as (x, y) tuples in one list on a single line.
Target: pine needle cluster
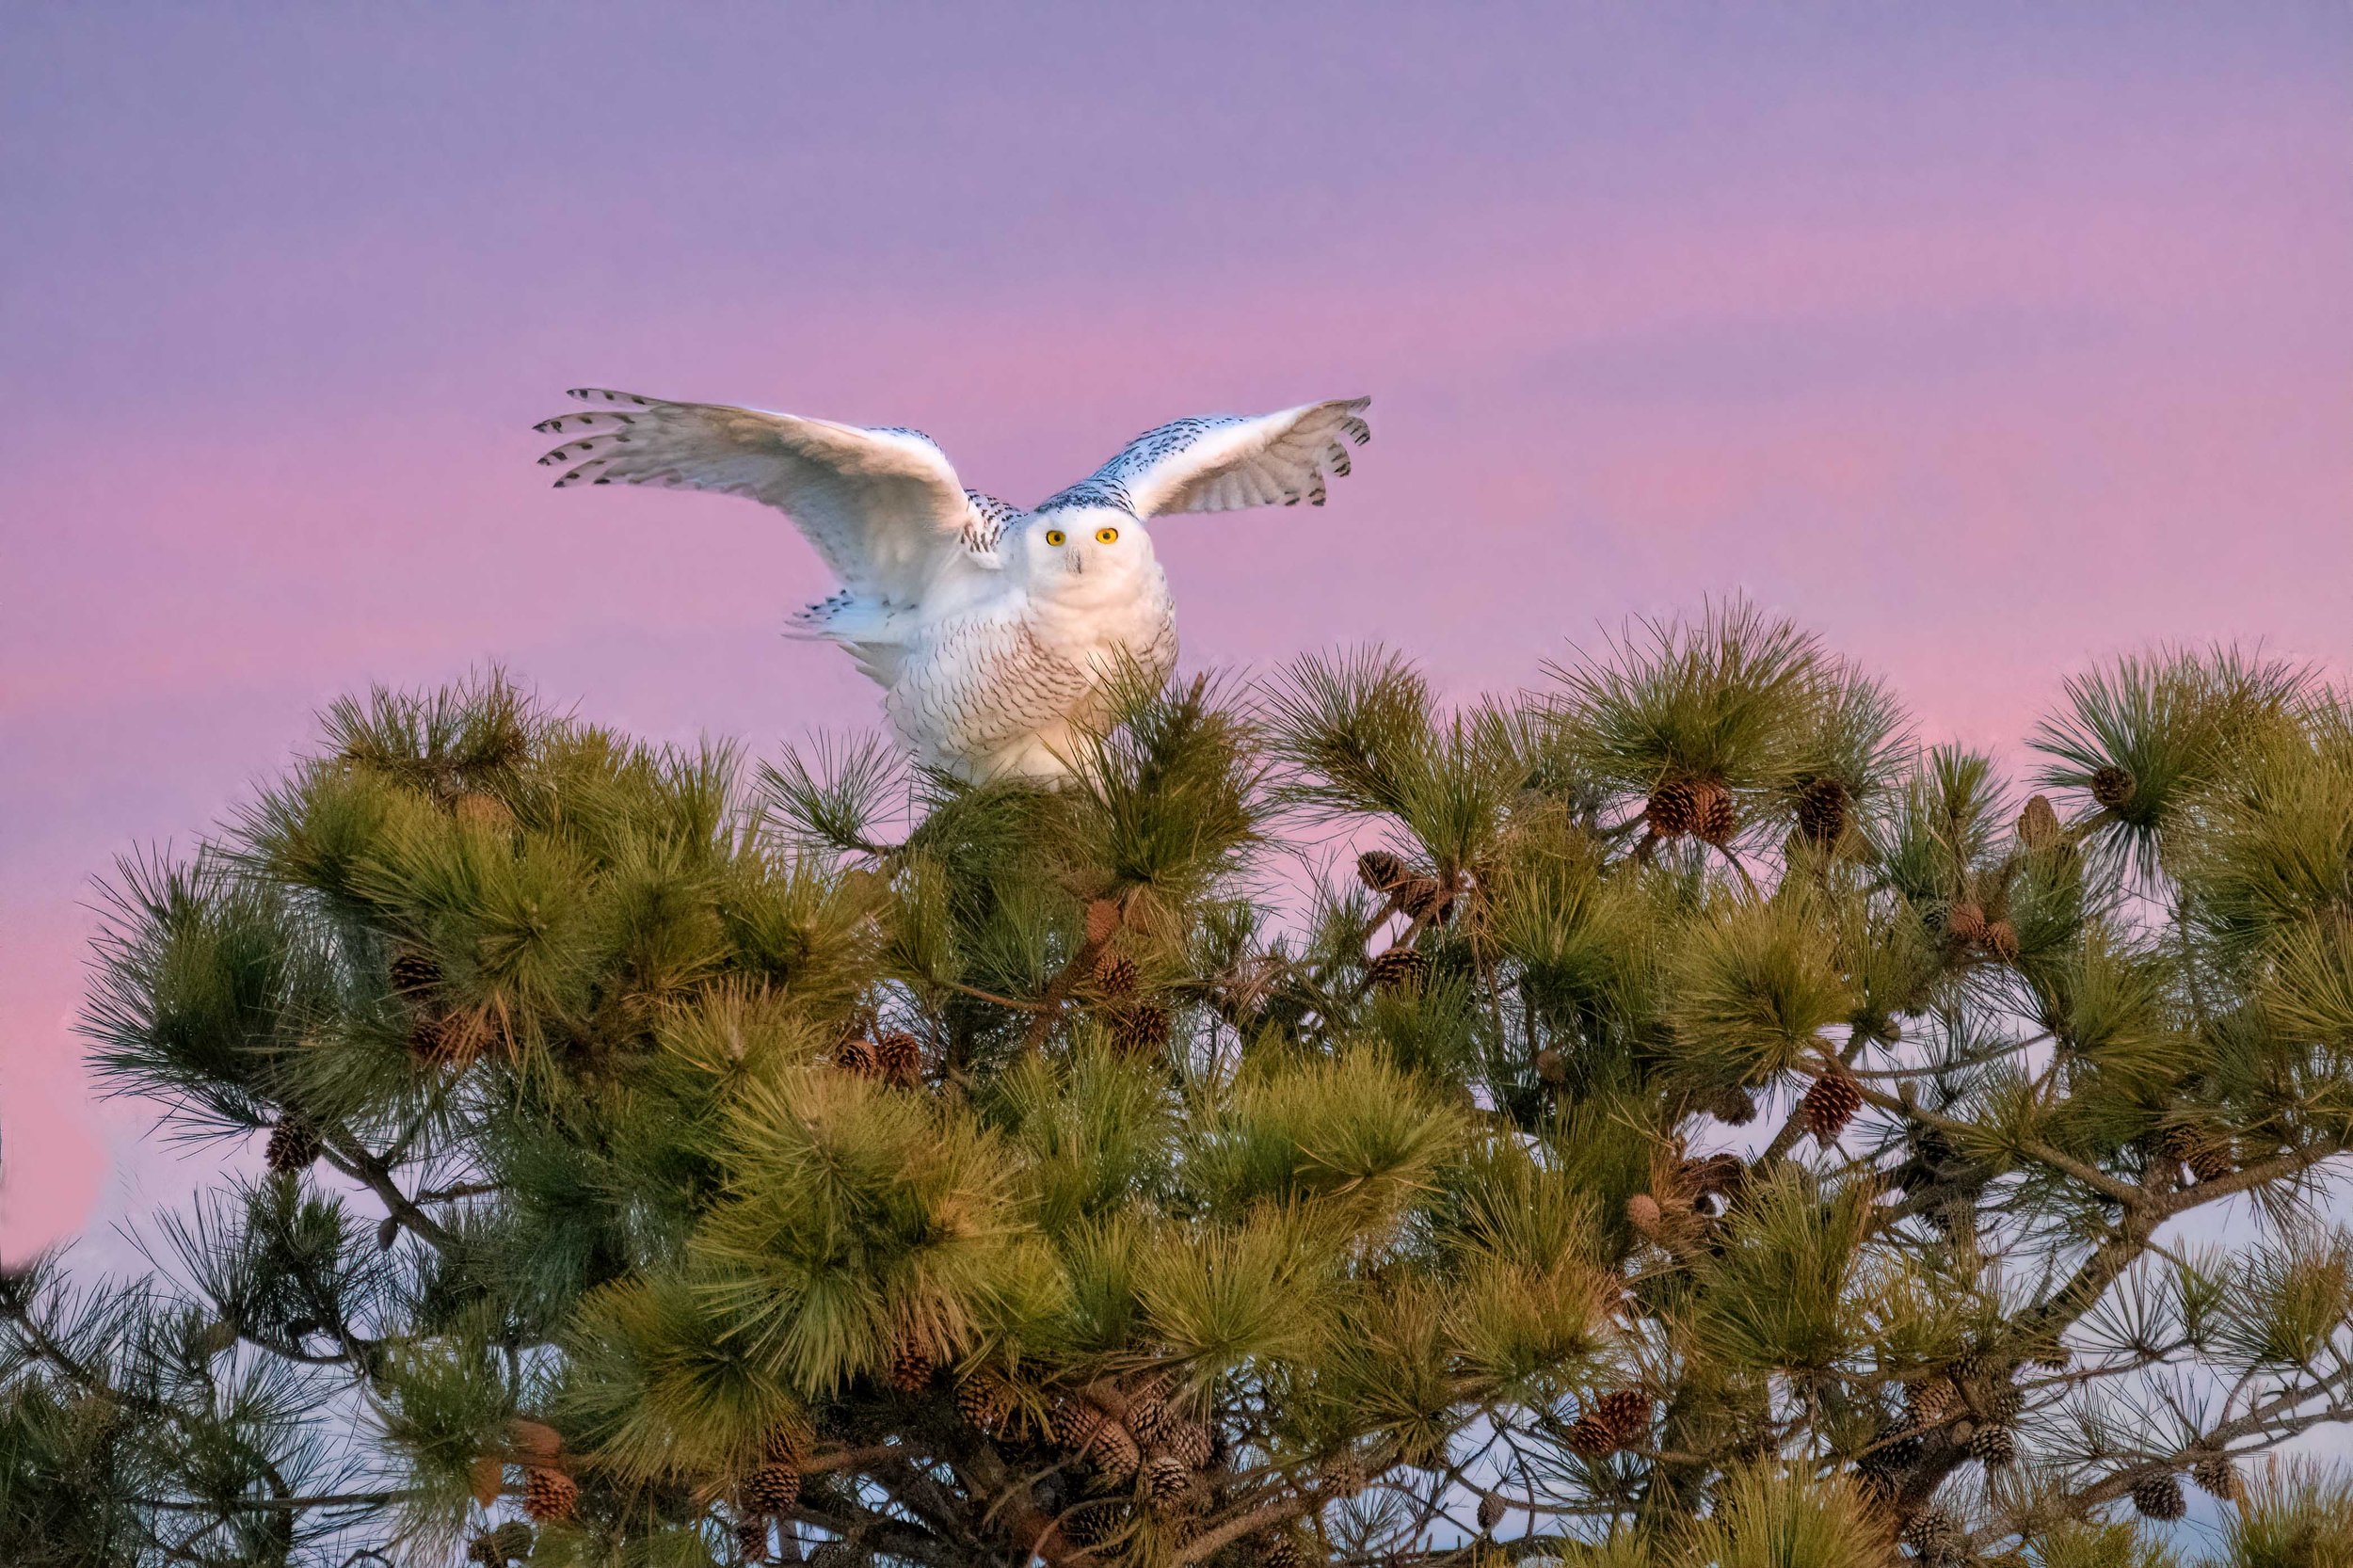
[(1704, 1127)]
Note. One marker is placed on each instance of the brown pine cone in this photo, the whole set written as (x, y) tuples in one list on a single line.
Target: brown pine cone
[(2112, 787), (985, 1401), (1089, 1524), (899, 1058), (413, 972), (1673, 808), (856, 1058), (1993, 1445), (1112, 1452), (1381, 872), (2001, 940), (1075, 1422), (550, 1494), (1823, 808), (1281, 1549), (293, 1146), (1426, 897), (513, 1540), (1591, 1437), (1552, 1067), (2217, 1477), (1830, 1104), (1930, 1401), (2039, 824), (1932, 1532), (1190, 1442), (1644, 1214), (1399, 969), (1966, 921), (1733, 1106), (1115, 974), (1626, 1413), (911, 1367), (770, 1491), (751, 1540), (1143, 1029), (1167, 1484), (1491, 1511), (1718, 817), (2159, 1498)]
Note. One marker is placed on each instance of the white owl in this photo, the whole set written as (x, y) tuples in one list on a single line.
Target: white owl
[(992, 630)]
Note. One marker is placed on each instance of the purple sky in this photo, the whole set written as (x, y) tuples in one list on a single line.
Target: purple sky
[(1987, 339)]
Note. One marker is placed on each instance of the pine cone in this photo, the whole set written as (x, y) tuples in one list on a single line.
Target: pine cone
[(1143, 1029), (293, 1146), (2039, 824), (1719, 819), (2001, 940), (2217, 1477), (483, 1549), (1644, 1213), (1167, 1484), (550, 1494), (1491, 1510), (857, 1057), (2159, 1498), (1381, 871), (2002, 1400), (1966, 921), (1089, 1524), (1115, 974), (1673, 808), (1190, 1442), (899, 1057), (413, 973), (911, 1367), (2205, 1152), (770, 1491), (2112, 786), (1626, 1413), (1591, 1437), (1552, 1067), (1075, 1422), (1993, 1445), (1932, 1532), (985, 1401), (1112, 1452), (512, 1539), (1822, 811), (1426, 897), (1733, 1106), (1830, 1104), (1281, 1550), (751, 1540), (1930, 1401), (1399, 969)]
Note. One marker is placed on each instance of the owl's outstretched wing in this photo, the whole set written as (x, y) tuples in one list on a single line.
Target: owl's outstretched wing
[(1224, 461), (883, 506)]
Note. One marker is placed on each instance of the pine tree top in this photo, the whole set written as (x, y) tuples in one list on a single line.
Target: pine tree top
[(1704, 1117)]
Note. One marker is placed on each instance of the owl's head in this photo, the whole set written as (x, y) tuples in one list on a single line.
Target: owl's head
[(1084, 554)]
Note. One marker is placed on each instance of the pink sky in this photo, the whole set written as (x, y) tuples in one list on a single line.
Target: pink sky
[(1985, 339)]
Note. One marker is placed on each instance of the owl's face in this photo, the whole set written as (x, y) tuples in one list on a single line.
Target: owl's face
[(1085, 555)]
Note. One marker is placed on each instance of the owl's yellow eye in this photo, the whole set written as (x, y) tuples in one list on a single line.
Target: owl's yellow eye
[(1106, 535), (1055, 536)]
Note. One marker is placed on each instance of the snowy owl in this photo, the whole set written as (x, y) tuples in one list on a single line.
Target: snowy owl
[(992, 630)]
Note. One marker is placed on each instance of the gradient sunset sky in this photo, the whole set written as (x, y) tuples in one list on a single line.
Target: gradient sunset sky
[(1988, 339)]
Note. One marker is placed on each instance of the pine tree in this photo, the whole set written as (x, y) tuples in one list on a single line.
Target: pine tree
[(953, 1174)]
